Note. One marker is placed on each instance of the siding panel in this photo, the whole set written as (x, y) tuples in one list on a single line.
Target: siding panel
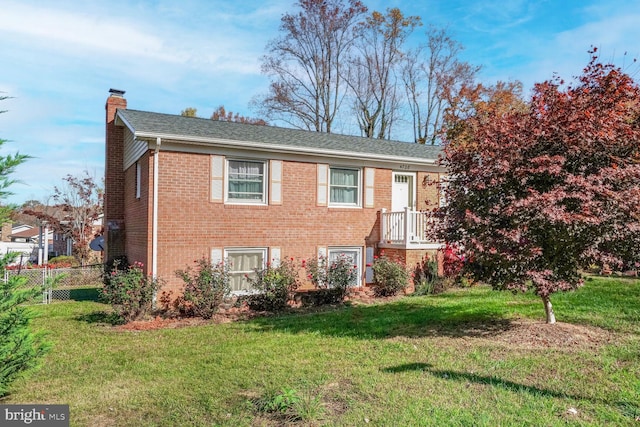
[(133, 149)]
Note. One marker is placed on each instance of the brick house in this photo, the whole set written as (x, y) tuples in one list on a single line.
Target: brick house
[(63, 243), (26, 240), (181, 188)]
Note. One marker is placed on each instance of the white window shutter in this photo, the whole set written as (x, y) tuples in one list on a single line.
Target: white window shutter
[(322, 252), (369, 174), (217, 179), (275, 170), (323, 184), (275, 256), (216, 256), (368, 272)]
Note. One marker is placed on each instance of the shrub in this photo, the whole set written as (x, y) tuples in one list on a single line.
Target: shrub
[(166, 300), (452, 261), (389, 276), (275, 286), (118, 263), (337, 275), (129, 291), (206, 287), (319, 297), (425, 276), (20, 349), (64, 261)]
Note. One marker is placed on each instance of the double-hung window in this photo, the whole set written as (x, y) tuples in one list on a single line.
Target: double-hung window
[(246, 181), (353, 254), (344, 187), (243, 262)]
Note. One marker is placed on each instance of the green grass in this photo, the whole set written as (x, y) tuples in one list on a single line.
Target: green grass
[(419, 361)]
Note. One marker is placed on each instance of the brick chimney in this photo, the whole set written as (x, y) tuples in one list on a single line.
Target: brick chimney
[(6, 232), (114, 233)]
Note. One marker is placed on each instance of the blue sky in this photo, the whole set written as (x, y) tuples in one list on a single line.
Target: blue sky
[(59, 59)]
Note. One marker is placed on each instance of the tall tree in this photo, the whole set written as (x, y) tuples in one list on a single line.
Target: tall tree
[(228, 116), (19, 216), (189, 112), (8, 165), (536, 194), (375, 70), (78, 206), (20, 348), (481, 101), (433, 76), (307, 63)]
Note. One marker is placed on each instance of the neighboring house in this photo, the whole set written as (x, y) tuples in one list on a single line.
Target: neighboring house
[(180, 188), (23, 239), (25, 234), (9, 229), (63, 243)]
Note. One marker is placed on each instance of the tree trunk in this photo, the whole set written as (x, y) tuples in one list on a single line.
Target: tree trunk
[(548, 308)]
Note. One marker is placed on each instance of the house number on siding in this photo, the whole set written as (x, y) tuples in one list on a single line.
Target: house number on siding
[(405, 167)]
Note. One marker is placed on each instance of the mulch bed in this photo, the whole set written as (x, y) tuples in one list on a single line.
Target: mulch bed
[(229, 313), (530, 334)]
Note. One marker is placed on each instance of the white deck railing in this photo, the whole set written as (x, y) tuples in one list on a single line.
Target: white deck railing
[(408, 228)]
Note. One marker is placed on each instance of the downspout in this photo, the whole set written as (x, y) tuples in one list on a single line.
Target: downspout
[(154, 232)]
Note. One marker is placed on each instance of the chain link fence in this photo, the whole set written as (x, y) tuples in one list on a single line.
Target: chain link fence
[(70, 283)]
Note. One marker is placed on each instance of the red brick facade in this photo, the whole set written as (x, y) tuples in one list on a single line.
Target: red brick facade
[(114, 180), (190, 223)]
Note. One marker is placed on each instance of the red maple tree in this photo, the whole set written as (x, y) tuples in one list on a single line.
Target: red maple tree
[(536, 194)]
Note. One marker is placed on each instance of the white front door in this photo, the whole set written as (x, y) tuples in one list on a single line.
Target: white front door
[(402, 192)]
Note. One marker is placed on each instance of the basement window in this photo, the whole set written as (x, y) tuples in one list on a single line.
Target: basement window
[(242, 265), (353, 254)]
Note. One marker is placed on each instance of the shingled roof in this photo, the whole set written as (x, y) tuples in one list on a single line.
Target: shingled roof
[(31, 232), (180, 128)]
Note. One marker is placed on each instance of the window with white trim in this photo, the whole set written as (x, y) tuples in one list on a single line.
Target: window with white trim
[(242, 265), (344, 187), (352, 253), (246, 181)]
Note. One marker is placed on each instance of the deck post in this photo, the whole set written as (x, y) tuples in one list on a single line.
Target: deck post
[(407, 226), (383, 225)]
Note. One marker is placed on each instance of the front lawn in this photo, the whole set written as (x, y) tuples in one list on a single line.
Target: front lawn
[(466, 357)]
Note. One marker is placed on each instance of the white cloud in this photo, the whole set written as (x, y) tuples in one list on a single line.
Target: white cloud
[(118, 38), (64, 55), (65, 30)]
